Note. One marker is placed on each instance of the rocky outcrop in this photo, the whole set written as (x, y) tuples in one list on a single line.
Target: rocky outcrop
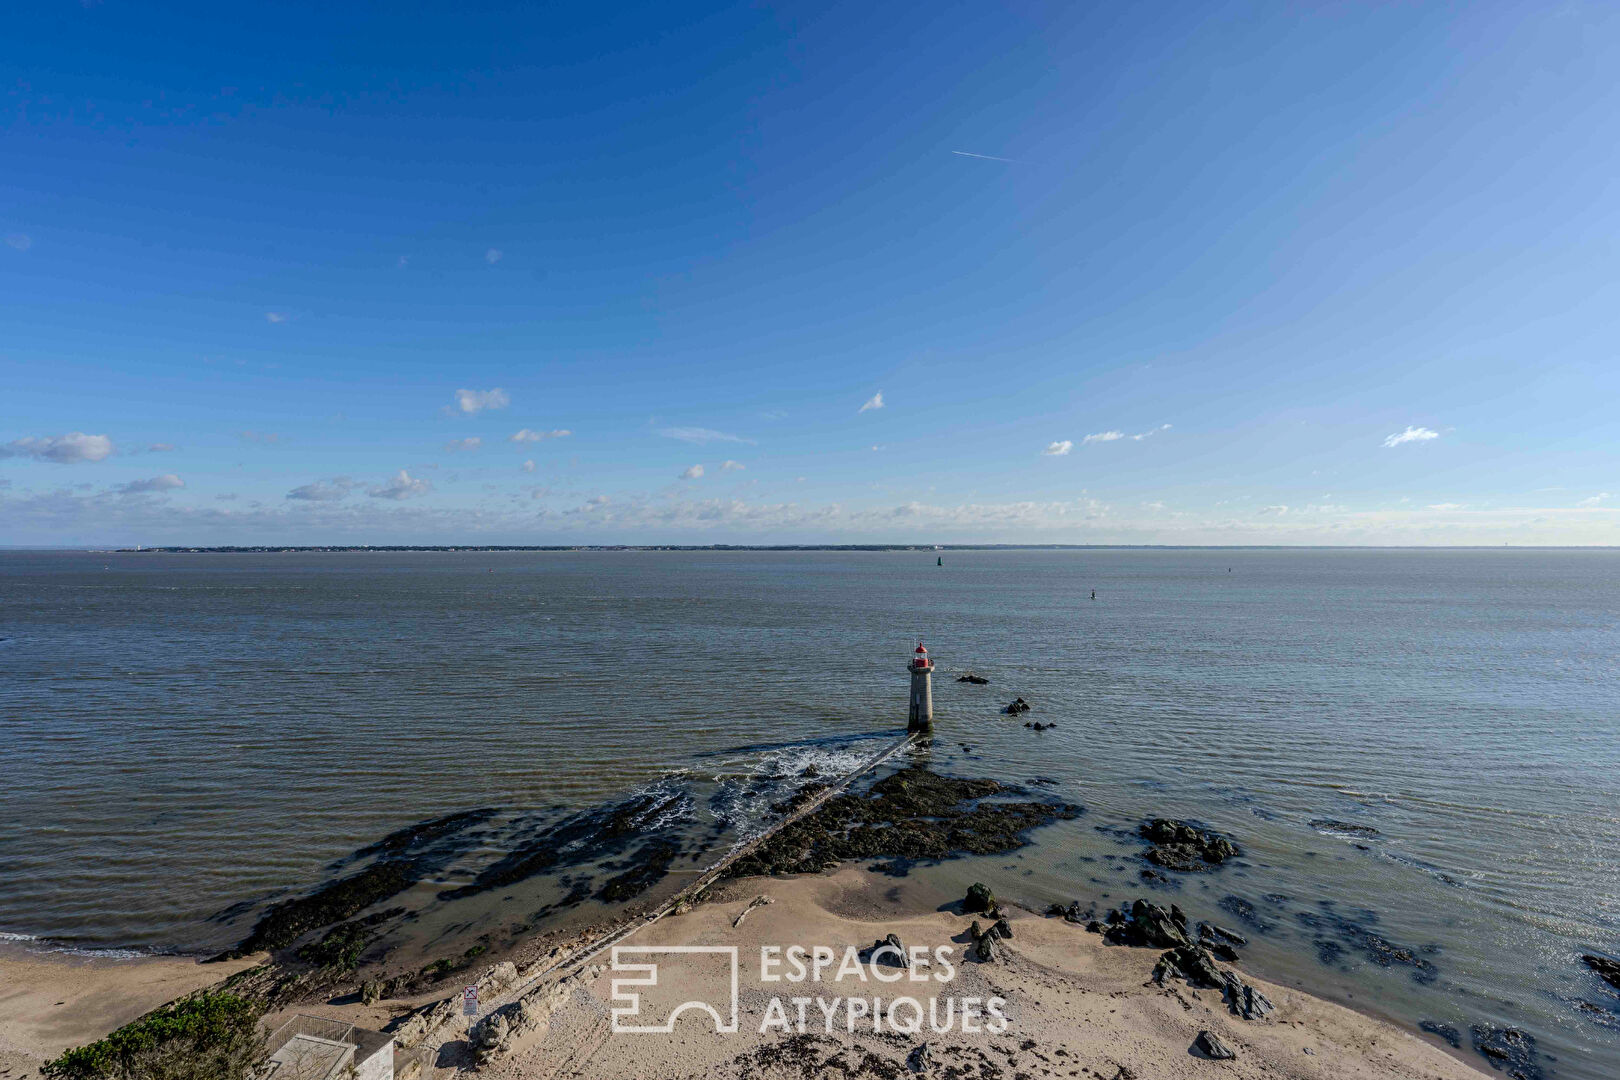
[(1019, 705), (1212, 1046), (1176, 845), (889, 952), (976, 680), (1605, 966), (1147, 925), (1243, 999)]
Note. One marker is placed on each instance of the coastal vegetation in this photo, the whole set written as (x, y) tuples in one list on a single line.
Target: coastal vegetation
[(205, 1036)]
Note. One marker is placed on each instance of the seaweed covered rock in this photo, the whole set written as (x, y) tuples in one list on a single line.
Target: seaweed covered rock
[(979, 899), (1176, 845), (911, 814), (1509, 1050)]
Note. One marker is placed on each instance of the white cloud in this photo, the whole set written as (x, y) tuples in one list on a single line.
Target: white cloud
[(166, 482), (529, 466), (1411, 434), (1446, 506), (1594, 500), (1115, 436), (1278, 510), (1153, 506), (700, 435), (493, 256), (258, 436), (873, 402), (275, 316), (323, 490), (20, 241), (694, 473), (527, 435), (1058, 448), (732, 466), (455, 446), (476, 401), (539, 492), (71, 449), (402, 486)]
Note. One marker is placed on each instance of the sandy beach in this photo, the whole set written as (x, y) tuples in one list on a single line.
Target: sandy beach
[(51, 1001), (1074, 1006)]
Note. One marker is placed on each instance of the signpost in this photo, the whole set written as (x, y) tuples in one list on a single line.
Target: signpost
[(469, 1001)]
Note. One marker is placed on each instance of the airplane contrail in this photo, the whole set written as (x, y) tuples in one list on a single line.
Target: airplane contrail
[(988, 157)]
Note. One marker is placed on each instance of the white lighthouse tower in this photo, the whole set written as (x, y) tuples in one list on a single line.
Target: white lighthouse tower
[(921, 715)]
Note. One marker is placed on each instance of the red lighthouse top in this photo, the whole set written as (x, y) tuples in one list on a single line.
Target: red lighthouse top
[(919, 659)]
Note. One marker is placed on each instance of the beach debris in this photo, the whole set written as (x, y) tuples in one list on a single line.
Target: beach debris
[(1508, 1050), (759, 901), (1243, 999), (1213, 1046), (1444, 1031), (1606, 967), (1019, 705), (921, 1059), (976, 680), (979, 899), (1177, 845), (889, 952)]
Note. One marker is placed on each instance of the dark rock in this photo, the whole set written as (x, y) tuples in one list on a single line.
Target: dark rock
[(889, 952), (911, 814), (1445, 1031), (920, 1059), (1243, 999), (979, 899), (1231, 937), (1149, 926), (1211, 1045), (1606, 967), (1343, 828), (1196, 965), (1176, 845), (1003, 929), (649, 866), (1374, 947), (1508, 1050), (1019, 705), (977, 680)]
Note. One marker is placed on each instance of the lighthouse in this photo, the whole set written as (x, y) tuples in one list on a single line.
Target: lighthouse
[(921, 715)]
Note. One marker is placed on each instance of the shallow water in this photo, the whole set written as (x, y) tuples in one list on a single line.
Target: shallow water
[(187, 732)]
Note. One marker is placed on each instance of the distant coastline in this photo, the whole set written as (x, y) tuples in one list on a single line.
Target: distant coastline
[(268, 549)]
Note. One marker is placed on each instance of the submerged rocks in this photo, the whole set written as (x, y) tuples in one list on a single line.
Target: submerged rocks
[(1019, 705), (979, 899), (910, 814), (1509, 1050), (976, 680), (1176, 845), (1344, 828), (1212, 1046), (1444, 1031), (1606, 967)]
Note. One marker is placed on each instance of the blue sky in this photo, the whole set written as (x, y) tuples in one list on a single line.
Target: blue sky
[(1120, 273)]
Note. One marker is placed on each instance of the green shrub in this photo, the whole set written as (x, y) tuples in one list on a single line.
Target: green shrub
[(206, 1036)]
